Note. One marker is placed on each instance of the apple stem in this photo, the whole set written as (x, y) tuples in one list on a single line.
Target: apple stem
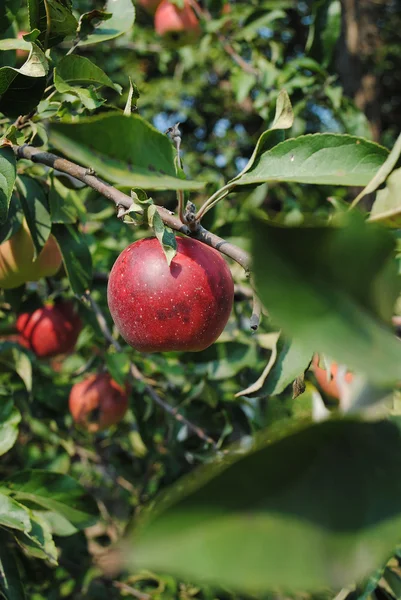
[(136, 374)]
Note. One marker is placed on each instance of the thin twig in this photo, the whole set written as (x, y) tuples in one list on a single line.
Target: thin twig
[(225, 42), (130, 590), (120, 199), (136, 373), (256, 313)]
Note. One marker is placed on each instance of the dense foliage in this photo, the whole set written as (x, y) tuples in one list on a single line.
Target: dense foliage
[(235, 473)]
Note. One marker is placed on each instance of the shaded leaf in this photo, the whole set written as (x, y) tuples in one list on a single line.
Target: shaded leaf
[(9, 420), (65, 204), (54, 19), (22, 89), (8, 172), (38, 541), (11, 586), (76, 257), (15, 357), (55, 492), (36, 209), (124, 150), (246, 521), (8, 12), (332, 290)]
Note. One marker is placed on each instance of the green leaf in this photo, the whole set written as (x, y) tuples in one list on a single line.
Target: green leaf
[(246, 521), (13, 514), (133, 95), (164, 234), (123, 150), (78, 70), (8, 173), (387, 206), (54, 19), (36, 209), (383, 172), (65, 204), (8, 13), (76, 257), (332, 290), (290, 361), (283, 119), (119, 366), (15, 357), (11, 586), (38, 542), (122, 20), (322, 158), (55, 492), (9, 420), (22, 89)]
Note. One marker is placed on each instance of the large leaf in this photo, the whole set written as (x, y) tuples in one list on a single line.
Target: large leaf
[(54, 19), (333, 289), (322, 158), (124, 150), (36, 209), (318, 508), (76, 257), (22, 89), (55, 492), (11, 586), (8, 171), (13, 514), (122, 20), (9, 420), (77, 70)]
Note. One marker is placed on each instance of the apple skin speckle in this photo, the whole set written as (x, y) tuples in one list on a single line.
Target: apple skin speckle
[(158, 308)]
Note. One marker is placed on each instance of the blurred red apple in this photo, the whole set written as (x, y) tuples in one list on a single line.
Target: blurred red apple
[(329, 385), (17, 264), (158, 308), (182, 25), (50, 330), (98, 402)]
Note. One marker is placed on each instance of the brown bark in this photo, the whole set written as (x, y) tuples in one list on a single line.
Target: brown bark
[(356, 57)]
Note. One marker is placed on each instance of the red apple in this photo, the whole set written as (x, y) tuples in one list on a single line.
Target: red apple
[(22, 54), (172, 21), (17, 264), (329, 386), (158, 308), (98, 402), (50, 330), (149, 5)]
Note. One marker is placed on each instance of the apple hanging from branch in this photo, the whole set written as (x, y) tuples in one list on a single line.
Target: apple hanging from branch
[(50, 330), (180, 25), (17, 262), (161, 308), (98, 402)]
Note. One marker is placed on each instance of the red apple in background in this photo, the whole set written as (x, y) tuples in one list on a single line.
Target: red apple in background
[(158, 308), (21, 54), (329, 385), (172, 21), (50, 330), (149, 5), (17, 264), (98, 402)]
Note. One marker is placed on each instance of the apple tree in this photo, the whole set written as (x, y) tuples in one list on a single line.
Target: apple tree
[(200, 361)]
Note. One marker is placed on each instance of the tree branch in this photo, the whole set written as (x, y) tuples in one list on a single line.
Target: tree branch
[(136, 374), (88, 177)]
